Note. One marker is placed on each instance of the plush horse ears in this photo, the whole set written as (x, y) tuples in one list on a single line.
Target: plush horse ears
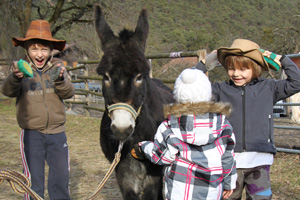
[(104, 31)]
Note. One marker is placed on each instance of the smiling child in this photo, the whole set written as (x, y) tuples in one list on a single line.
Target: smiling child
[(41, 112)]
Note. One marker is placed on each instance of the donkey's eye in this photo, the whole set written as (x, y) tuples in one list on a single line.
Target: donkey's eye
[(106, 78), (138, 79)]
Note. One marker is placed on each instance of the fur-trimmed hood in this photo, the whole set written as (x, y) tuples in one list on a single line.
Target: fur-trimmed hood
[(197, 108)]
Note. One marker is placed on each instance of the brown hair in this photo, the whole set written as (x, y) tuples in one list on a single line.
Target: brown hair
[(38, 42), (238, 62)]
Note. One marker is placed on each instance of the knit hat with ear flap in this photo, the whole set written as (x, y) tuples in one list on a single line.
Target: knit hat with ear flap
[(192, 86)]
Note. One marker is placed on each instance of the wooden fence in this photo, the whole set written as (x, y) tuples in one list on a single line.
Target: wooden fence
[(88, 100), (87, 97), (89, 94)]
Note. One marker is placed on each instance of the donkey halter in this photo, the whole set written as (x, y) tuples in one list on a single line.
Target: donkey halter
[(124, 106)]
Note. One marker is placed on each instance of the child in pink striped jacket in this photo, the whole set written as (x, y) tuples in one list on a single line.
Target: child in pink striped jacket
[(195, 142)]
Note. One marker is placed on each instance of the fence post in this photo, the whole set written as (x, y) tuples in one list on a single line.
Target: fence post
[(150, 64), (86, 81)]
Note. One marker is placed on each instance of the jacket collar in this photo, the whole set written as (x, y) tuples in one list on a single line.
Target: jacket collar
[(197, 108)]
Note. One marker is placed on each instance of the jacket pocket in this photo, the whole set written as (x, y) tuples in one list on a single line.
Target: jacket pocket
[(270, 129)]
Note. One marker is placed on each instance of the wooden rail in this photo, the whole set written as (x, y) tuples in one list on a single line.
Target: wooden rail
[(85, 79)]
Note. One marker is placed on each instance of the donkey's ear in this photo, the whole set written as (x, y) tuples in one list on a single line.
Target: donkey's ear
[(142, 29), (104, 31)]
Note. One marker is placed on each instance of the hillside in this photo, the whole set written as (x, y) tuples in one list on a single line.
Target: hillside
[(191, 25), (175, 25)]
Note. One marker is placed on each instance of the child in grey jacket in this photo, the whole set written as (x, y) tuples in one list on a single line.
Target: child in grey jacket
[(252, 98)]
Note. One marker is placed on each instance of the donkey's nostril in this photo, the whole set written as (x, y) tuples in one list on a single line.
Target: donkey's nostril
[(121, 133), (120, 129)]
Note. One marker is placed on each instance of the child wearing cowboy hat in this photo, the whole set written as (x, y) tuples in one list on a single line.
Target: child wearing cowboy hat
[(252, 98), (40, 110), (195, 142)]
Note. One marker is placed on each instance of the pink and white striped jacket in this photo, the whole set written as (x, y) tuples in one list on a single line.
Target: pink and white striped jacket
[(196, 143)]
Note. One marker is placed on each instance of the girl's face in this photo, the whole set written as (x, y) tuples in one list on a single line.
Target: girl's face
[(39, 54), (240, 76)]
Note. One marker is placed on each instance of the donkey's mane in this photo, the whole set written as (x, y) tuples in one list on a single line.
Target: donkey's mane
[(125, 35)]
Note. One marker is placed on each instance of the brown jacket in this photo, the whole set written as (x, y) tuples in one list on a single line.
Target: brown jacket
[(39, 99)]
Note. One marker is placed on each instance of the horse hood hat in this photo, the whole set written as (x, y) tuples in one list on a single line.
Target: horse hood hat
[(39, 29), (243, 47), (192, 86)]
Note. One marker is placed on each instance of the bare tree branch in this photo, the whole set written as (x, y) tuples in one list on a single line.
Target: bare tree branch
[(75, 18), (57, 12), (50, 2), (27, 14)]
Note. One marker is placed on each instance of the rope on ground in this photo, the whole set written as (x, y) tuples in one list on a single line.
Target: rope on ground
[(23, 184), (109, 172)]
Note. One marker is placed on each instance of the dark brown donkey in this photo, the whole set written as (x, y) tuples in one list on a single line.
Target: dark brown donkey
[(134, 106)]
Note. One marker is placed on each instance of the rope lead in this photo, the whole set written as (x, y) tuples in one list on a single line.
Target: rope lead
[(110, 171), (24, 183), (21, 180)]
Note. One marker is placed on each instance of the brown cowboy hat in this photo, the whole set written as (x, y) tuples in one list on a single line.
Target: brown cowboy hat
[(243, 47), (40, 29)]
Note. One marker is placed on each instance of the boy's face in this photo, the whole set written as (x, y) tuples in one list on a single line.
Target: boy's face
[(39, 54), (240, 76)]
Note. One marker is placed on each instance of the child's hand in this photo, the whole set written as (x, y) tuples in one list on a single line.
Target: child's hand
[(204, 59), (272, 59), (62, 72), (268, 53), (16, 70), (211, 60), (227, 193), (57, 73), (137, 153)]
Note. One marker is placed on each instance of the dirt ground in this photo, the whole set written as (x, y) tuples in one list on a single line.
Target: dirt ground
[(286, 138)]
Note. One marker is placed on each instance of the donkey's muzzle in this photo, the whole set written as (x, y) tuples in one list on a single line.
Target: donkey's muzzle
[(122, 124)]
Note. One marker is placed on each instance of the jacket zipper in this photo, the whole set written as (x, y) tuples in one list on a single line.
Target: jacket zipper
[(244, 118), (44, 90), (270, 119)]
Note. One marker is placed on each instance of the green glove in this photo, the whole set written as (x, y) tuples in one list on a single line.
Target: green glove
[(55, 72), (271, 60), (25, 68)]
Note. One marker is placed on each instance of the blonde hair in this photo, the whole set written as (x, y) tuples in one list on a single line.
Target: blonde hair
[(239, 62), (38, 42)]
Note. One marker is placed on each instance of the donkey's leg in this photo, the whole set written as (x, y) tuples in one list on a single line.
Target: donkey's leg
[(130, 175), (153, 188), (139, 180)]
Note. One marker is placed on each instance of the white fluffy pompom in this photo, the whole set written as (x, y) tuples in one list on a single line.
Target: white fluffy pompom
[(192, 86)]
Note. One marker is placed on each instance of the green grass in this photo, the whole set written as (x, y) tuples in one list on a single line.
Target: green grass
[(88, 165)]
